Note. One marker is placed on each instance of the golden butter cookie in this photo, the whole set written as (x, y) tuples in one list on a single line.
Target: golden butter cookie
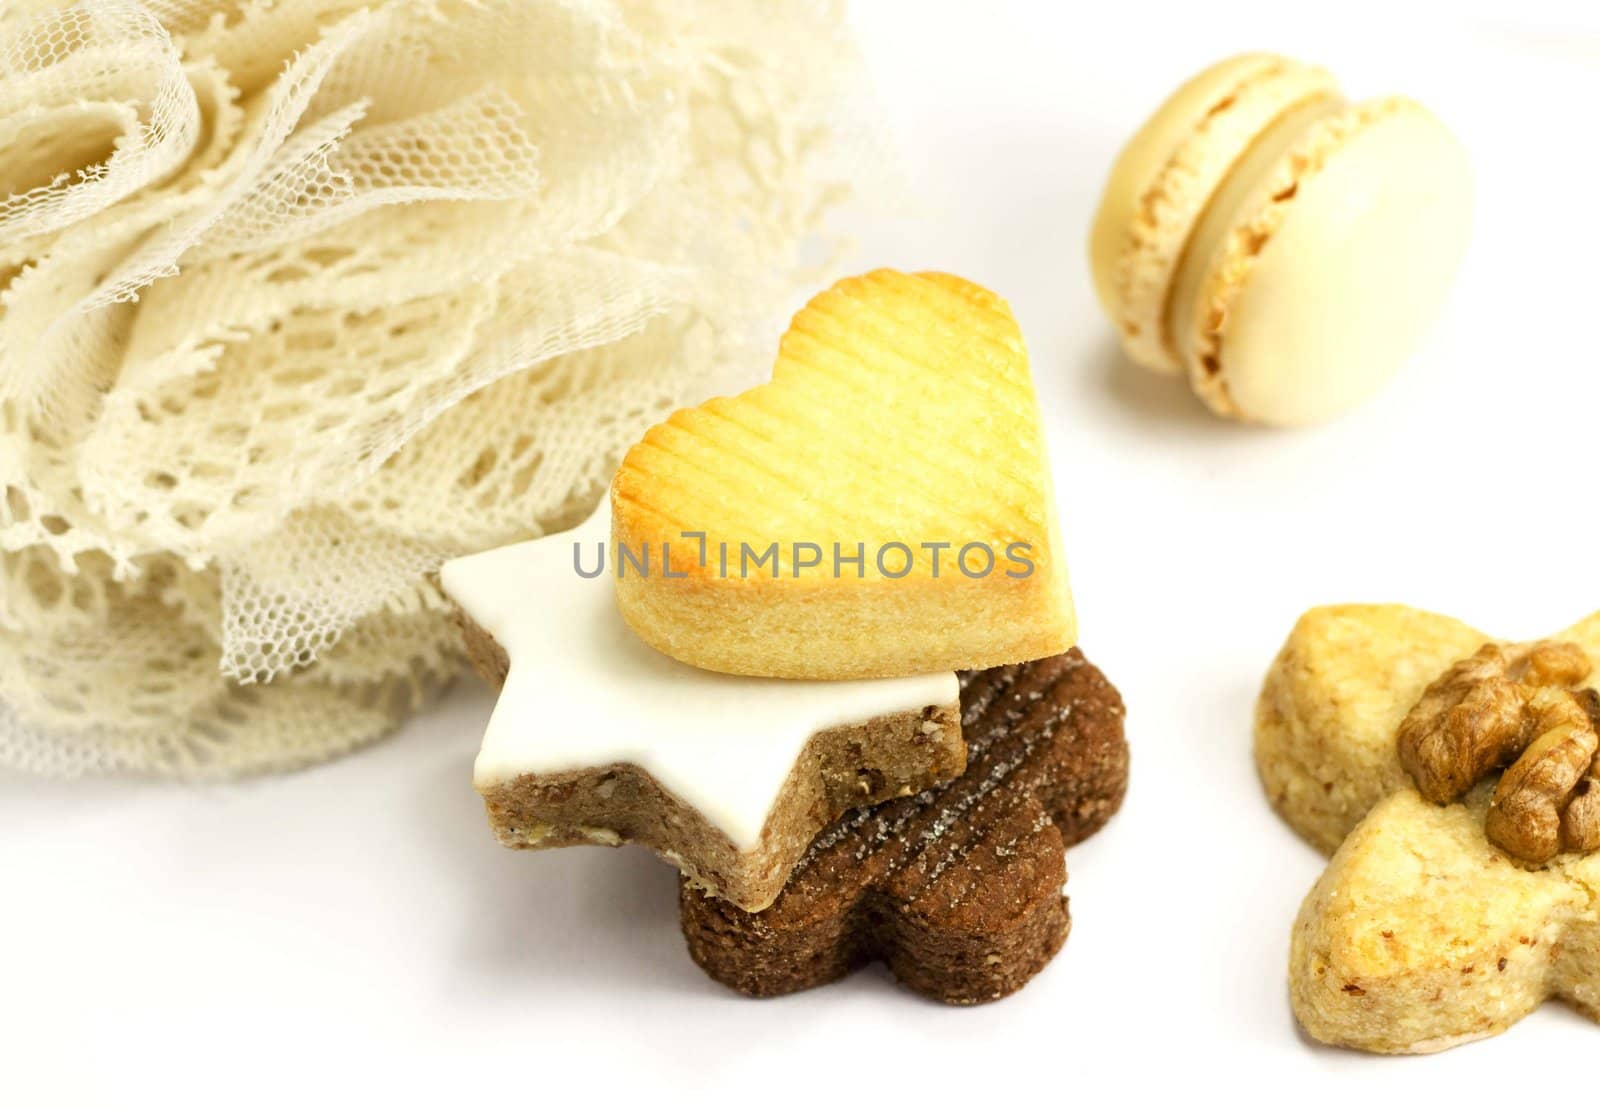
[(849, 518)]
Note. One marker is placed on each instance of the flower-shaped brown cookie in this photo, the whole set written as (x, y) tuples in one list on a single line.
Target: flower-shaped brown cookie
[(1424, 932), (958, 888)]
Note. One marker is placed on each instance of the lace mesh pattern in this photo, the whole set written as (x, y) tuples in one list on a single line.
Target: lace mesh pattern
[(299, 298)]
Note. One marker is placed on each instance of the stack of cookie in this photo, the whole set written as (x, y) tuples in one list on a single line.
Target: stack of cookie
[(816, 650)]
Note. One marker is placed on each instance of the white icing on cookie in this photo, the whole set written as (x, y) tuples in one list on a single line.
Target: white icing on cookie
[(584, 691)]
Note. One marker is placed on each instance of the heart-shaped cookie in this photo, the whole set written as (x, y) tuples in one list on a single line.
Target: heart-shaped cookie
[(882, 507)]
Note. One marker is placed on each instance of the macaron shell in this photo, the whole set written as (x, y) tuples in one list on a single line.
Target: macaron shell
[(1330, 284), (1166, 175), (1141, 160)]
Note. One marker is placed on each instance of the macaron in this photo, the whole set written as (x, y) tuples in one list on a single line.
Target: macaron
[(1282, 247)]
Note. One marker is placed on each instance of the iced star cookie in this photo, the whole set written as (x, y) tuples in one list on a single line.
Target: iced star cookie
[(600, 739), (882, 507), (957, 889), (1453, 777), (1281, 247)]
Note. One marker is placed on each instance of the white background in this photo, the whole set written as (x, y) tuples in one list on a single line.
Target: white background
[(354, 931)]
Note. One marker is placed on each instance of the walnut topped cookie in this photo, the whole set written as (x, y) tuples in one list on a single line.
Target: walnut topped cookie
[(1517, 707), (1451, 776)]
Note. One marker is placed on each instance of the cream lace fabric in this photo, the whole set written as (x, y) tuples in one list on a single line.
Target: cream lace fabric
[(299, 298)]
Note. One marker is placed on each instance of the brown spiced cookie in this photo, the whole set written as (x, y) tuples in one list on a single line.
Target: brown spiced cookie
[(959, 888)]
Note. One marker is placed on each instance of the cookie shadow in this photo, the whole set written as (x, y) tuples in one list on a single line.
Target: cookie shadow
[(583, 918), (1342, 1055), (1162, 401)]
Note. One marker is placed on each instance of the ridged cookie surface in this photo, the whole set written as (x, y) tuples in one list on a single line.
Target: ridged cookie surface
[(898, 445)]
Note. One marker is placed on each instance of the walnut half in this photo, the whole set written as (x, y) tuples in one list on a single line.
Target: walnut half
[(1514, 705)]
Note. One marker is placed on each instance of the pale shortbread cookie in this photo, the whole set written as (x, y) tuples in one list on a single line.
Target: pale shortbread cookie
[(1420, 934), (1282, 247), (1326, 718), (901, 414), (599, 739)]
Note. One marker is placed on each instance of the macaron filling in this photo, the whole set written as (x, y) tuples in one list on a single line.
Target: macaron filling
[(1244, 186)]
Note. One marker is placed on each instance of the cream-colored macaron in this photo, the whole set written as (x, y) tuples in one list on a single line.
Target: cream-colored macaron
[(1282, 247)]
